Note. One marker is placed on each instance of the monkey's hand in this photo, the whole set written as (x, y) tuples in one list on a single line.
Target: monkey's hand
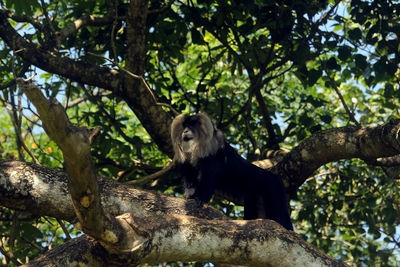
[(199, 202)]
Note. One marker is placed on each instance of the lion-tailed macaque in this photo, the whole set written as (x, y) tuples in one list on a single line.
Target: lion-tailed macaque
[(208, 165)]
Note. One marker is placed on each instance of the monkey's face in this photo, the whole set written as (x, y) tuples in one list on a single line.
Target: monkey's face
[(195, 137), (190, 134)]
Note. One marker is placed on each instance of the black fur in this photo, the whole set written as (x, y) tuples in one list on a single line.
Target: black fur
[(226, 173)]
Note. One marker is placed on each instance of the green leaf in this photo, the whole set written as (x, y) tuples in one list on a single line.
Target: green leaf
[(326, 118), (313, 76), (360, 60), (332, 64), (355, 34), (196, 37), (344, 52), (26, 7), (30, 232)]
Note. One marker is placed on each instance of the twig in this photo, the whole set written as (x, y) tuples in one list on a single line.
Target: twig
[(46, 15), (159, 10), (22, 19), (15, 118), (8, 257), (113, 47), (336, 88), (152, 176), (65, 230)]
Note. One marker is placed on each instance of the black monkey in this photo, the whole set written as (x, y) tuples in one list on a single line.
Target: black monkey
[(209, 164)]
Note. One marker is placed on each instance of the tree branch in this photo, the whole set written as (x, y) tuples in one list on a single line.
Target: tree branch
[(137, 94), (272, 142), (23, 19), (76, 70), (154, 119), (184, 238), (167, 237), (277, 247), (367, 143), (44, 192), (81, 22), (75, 144), (336, 88)]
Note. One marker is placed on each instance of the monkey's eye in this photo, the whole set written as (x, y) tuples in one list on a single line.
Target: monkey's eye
[(191, 121)]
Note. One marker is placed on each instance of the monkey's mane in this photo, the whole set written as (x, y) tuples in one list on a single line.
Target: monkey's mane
[(209, 139)]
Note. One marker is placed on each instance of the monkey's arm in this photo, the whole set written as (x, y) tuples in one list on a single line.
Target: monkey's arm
[(209, 171), (189, 177)]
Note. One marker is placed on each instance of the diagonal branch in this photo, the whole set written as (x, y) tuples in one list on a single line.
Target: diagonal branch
[(345, 106), (75, 144), (76, 70), (139, 98)]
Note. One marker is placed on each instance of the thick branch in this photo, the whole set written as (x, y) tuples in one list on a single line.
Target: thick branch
[(250, 243), (185, 238), (367, 143), (33, 188), (75, 144), (44, 192), (149, 112)]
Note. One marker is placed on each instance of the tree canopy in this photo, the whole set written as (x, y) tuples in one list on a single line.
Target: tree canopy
[(308, 89)]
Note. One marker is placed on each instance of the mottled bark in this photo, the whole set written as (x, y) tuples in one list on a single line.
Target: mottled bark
[(44, 192), (376, 145), (184, 238), (165, 237)]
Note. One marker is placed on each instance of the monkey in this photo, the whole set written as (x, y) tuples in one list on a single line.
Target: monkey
[(208, 164)]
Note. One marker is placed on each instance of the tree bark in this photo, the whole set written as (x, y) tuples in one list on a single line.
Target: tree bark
[(184, 238), (44, 192), (372, 144), (40, 190), (146, 236), (157, 228)]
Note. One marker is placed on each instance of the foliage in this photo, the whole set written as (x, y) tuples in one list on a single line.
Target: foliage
[(271, 73)]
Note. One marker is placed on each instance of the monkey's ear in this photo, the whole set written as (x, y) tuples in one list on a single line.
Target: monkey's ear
[(177, 125), (203, 113), (206, 128)]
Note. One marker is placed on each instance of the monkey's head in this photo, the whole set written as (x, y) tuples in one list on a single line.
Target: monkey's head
[(195, 137)]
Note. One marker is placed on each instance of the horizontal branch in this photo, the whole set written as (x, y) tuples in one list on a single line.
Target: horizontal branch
[(185, 238), (367, 143), (44, 192), (72, 28)]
